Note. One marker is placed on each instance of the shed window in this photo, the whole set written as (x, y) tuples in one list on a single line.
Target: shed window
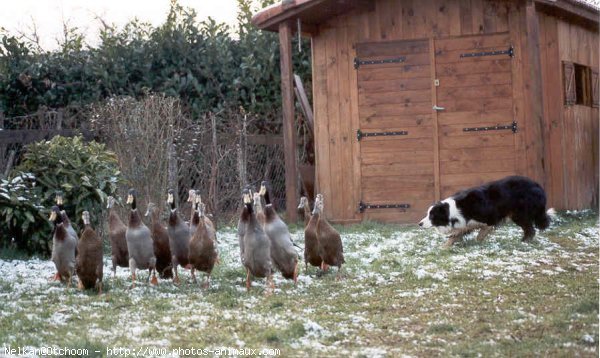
[(580, 85)]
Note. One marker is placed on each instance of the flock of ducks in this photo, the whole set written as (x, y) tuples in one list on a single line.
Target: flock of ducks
[(264, 239)]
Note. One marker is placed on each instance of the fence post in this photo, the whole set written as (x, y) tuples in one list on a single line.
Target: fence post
[(172, 167), (59, 118), (214, 170), (242, 148)]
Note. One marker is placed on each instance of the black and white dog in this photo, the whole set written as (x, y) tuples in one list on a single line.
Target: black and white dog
[(517, 198)]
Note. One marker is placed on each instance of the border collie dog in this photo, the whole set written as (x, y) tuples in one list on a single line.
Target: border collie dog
[(517, 198)]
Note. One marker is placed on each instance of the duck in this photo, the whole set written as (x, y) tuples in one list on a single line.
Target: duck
[(63, 247), (330, 241), (304, 210), (60, 201), (258, 209), (89, 259), (139, 242), (203, 250), (160, 239), (311, 243), (116, 234), (206, 219), (283, 253), (257, 246), (241, 228), (179, 237), (192, 199)]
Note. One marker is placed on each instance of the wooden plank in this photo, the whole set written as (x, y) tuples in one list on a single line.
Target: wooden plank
[(454, 18), (376, 73), (533, 97), (477, 166), (472, 67), (489, 17), (553, 109), (395, 121), (439, 16), (502, 16), (303, 100), (289, 129), (473, 42), (399, 97), (514, 16), (481, 140), (391, 48), (353, 37), (416, 212), (320, 100), (488, 154), (397, 145), (478, 16), (395, 85), (469, 80), (408, 11), (486, 104), (333, 110), (479, 92), (394, 109), (467, 180), (499, 116), (406, 156), (398, 196), (346, 137), (434, 117), (399, 182), (396, 169)]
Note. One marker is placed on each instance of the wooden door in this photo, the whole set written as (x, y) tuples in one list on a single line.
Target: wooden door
[(476, 126), (395, 129)]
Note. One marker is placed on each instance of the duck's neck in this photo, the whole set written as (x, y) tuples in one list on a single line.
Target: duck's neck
[(134, 218), (59, 231), (307, 214)]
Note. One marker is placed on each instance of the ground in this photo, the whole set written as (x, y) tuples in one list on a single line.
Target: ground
[(402, 294)]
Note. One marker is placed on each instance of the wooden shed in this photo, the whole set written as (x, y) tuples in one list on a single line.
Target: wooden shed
[(416, 99)]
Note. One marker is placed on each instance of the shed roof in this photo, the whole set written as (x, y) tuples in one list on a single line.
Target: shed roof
[(313, 12)]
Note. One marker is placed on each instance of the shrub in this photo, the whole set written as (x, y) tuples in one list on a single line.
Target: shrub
[(86, 173)]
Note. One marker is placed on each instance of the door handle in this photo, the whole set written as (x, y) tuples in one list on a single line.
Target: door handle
[(438, 108)]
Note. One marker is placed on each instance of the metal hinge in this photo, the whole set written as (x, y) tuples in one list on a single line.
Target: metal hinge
[(362, 206), (510, 52), (360, 134), (358, 62), (512, 127)]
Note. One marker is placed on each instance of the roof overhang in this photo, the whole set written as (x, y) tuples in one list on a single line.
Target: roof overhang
[(312, 13)]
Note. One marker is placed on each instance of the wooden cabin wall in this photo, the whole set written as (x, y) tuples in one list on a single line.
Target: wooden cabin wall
[(335, 79), (571, 131)]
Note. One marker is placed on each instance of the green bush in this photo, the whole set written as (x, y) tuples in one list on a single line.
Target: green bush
[(85, 172)]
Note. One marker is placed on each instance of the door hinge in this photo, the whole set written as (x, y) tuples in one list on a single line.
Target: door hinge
[(358, 62), (510, 52), (360, 134), (513, 126), (363, 206)]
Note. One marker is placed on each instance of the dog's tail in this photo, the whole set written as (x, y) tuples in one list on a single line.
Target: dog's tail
[(543, 220)]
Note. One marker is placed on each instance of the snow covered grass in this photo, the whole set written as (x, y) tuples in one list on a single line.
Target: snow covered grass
[(402, 294)]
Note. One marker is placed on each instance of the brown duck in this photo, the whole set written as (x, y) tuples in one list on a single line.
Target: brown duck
[(203, 249), (311, 243), (160, 239), (118, 242), (330, 242), (89, 259)]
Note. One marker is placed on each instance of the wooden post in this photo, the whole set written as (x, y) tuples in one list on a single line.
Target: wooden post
[(172, 168), (289, 133), (242, 150), (534, 142), (214, 170)]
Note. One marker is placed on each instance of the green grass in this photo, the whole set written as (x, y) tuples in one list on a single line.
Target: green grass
[(401, 294)]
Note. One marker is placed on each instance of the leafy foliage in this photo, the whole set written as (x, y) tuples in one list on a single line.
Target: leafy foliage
[(208, 65), (86, 173)]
